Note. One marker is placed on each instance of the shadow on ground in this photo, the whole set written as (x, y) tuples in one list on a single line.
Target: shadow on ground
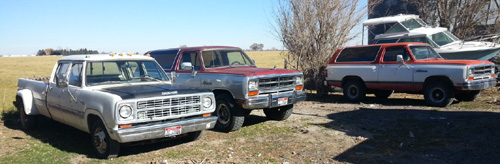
[(369, 99), (418, 136), (69, 139)]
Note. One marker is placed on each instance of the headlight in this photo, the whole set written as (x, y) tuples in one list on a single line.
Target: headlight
[(253, 85), (207, 102), (125, 111), (299, 80)]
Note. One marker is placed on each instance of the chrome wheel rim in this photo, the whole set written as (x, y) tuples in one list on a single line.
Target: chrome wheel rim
[(100, 140)]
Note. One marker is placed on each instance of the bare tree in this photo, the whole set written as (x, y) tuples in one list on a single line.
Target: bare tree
[(312, 30), (464, 18)]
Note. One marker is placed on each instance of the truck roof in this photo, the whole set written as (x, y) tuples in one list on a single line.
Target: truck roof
[(197, 48), (389, 44), (93, 57)]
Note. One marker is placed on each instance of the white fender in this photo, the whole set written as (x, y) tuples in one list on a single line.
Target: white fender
[(27, 98)]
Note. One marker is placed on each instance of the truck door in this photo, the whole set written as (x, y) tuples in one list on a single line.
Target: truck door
[(71, 105), (184, 76), (54, 93), (393, 75)]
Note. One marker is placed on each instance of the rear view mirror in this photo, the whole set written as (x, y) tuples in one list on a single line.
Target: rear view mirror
[(61, 80), (400, 59), (186, 66)]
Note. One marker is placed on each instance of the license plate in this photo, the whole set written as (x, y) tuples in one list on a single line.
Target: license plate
[(283, 101), (172, 131)]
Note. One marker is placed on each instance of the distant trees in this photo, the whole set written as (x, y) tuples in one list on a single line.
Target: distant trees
[(257, 47), (65, 52), (312, 30)]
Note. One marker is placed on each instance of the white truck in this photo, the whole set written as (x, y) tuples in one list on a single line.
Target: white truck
[(117, 99), (407, 67)]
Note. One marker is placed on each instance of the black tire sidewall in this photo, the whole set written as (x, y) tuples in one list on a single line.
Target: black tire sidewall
[(236, 116), (447, 91), (361, 90), (112, 146)]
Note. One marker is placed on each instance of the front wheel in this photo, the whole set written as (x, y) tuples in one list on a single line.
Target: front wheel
[(102, 145), (230, 116), (279, 113), (354, 90), (438, 94)]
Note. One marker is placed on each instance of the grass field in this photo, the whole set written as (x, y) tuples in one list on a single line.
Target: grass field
[(13, 68)]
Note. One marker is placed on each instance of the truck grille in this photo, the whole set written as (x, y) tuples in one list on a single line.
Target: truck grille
[(279, 82), (168, 107), (482, 72)]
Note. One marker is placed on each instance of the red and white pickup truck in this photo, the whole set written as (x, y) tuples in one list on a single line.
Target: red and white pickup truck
[(239, 86), (407, 67)]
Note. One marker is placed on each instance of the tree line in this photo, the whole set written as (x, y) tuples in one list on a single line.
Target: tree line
[(65, 52)]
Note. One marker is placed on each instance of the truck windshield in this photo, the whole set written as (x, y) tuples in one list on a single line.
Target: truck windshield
[(225, 58), (111, 72), (424, 52)]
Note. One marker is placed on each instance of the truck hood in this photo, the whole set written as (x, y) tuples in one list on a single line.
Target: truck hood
[(145, 91), (250, 71), (461, 62)]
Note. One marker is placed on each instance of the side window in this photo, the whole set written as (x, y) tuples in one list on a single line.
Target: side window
[(358, 54), (165, 58), (62, 68), (191, 57), (75, 74), (392, 52), (211, 59)]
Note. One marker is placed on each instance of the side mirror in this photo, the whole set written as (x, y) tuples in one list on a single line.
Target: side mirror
[(61, 81), (186, 66), (400, 59)]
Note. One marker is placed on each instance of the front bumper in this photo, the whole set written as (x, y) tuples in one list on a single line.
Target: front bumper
[(479, 84), (153, 131), (271, 100)]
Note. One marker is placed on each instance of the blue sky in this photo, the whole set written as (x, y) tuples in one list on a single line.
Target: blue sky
[(133, 26)]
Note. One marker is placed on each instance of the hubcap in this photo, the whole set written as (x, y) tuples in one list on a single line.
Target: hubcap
[(437, 94), (223, 113), (100, 140), (353, 91)]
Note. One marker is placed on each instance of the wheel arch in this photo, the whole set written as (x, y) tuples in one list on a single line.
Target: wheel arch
[(348, 78), (444, 79), (26, 97)]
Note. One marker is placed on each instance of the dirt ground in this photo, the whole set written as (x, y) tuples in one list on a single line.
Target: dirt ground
[(324, 129)]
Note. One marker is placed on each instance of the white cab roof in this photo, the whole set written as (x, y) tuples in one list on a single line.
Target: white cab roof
[(93, 57), (389, 19)]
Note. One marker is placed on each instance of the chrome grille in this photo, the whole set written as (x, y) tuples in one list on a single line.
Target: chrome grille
[(168, 107), (276, 82), (482, 72)]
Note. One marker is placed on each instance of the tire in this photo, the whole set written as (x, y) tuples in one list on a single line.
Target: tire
[(230, 116), (467, 95), (102, 145), (279, 113), (438, 94), (194, 136), (383, 94), (354, 90), (28, 122)]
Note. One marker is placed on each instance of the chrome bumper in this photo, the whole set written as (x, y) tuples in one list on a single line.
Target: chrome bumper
[(479, 84), (153, 131), (271, 100)]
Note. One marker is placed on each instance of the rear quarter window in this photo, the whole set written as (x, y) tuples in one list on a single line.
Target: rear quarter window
[(358, 54), (165, 58)]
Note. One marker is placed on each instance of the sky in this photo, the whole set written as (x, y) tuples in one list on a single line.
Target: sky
[(133, 26)]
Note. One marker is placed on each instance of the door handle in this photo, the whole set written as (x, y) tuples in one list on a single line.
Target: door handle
[(205, 82)]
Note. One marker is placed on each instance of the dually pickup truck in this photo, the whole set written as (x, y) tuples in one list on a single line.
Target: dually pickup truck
[(239, 86), (407, 67), (117, 99)]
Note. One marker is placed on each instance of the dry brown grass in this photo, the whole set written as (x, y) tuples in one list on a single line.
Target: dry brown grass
[(13, 68), (267, 59)]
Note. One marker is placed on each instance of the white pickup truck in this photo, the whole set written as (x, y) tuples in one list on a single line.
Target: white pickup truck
[(407, 67), (117, 99)]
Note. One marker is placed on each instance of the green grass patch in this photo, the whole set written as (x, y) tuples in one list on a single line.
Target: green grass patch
[(262, 128)]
